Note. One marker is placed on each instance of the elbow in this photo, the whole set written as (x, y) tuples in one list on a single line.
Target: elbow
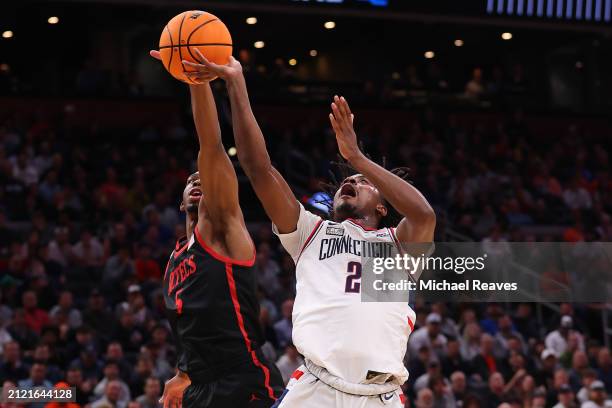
[(427, 216)]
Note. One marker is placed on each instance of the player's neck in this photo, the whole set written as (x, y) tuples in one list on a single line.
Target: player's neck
[(190, 225), (365, 221)]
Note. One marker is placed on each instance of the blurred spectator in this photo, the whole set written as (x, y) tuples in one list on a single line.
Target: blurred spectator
[(588, 377), (12, 366), (576, 197), (64, 311), (598, 397), (42, 355), (114, 353), (433, 371), (37, 378), (96, 314), (485, 364), (111, 374), (443, 397), (504, 334), (21, 332), (496, 392), (558, 340), (452, 360), (604, 368), (458, 387), (284, 326), (112, 397), (84, 388), (118, 267), (59, 247), (35, 317), (475, 87), (429, 336), (147, 269), (425, 399), (88, 252), (565, 397), (136, 305), (127, 332), (470, 342), (152, 393), (580, 363), (290, 361)]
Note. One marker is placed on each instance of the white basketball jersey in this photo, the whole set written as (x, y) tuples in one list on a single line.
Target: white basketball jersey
[(353, 340)]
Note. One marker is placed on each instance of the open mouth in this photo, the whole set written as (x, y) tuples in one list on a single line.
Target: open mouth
[(348, 190), (195, 193)]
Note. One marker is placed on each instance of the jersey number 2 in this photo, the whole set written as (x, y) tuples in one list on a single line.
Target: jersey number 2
[(353, 285)]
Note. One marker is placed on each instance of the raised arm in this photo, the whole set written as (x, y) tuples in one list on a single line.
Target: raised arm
[(419, 219), (217, 173), (271, 188)]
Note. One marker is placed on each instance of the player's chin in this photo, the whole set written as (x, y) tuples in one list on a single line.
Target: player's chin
[(344, 209), (192, 206)]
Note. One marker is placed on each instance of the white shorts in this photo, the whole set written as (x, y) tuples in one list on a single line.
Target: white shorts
[(307, 390)]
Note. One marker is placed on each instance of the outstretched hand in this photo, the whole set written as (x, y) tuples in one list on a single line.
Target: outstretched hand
[(207, 68), (204, 70), (341, 120)]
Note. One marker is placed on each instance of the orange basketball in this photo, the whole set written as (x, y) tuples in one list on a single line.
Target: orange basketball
[(189, 30)]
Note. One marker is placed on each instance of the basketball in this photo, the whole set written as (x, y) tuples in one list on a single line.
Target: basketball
[(189, 30)]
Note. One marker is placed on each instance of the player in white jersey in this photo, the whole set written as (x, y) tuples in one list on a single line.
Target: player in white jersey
[(353, 351)]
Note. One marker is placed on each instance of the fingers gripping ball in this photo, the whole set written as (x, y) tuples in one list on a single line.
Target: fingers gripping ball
[(190, 30)]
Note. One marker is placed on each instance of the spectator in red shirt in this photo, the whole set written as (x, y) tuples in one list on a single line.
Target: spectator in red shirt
[(146, 268), (35, 318)]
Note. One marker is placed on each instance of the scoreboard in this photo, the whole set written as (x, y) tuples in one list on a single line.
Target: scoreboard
[(573, 10)]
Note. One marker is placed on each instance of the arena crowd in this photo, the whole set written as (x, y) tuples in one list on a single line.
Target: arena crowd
[(89, 217)]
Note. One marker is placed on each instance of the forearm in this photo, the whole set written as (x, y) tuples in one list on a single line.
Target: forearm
[(271, 188), (205, 116), (250, 143), (406, 199)]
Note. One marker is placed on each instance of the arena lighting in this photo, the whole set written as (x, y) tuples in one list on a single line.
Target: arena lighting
[(251, 20), (330, 25), (259, 44), (7, 34), (458, 43), (53, 20), (506, 36), (430, 54), (293, 62), (232, 151), (313, 53)]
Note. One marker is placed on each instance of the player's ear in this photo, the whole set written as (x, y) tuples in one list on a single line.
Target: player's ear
[(182, 206), (381, 209)]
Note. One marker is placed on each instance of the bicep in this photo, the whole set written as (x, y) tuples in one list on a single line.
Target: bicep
[(407, 232), (219, 183), (278, 200)]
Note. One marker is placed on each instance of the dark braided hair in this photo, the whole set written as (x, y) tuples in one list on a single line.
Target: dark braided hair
[(344, 170)]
